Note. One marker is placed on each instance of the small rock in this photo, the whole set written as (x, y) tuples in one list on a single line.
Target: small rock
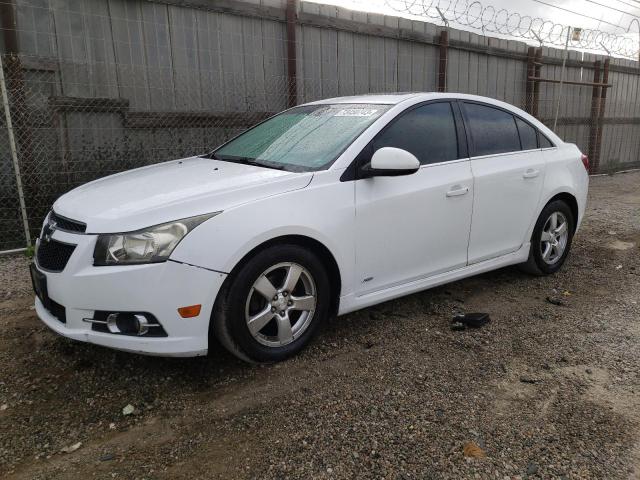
[(128, 410), (472, 450), (3, 407), (107, 457), (71, 448), (532, 469), (589, 371), (525, 379)]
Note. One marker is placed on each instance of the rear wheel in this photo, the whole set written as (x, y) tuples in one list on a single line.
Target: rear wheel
[(551, 239), (272, 306)]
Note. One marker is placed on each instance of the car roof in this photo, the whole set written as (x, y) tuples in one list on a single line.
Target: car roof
[(381, 98), (399, 97)]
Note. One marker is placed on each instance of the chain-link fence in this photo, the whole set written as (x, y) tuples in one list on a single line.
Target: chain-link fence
[(107, 86), (66, 141)]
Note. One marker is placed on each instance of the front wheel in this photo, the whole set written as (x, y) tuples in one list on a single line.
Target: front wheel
[(272, 306), (551, 239)]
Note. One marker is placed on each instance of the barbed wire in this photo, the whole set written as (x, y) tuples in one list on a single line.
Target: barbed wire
[(497, 20)]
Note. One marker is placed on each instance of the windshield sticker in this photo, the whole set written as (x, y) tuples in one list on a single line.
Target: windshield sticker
[(356, 112)]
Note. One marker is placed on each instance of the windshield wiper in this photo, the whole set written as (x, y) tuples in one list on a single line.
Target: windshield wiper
[(247, 161), (262, 163)]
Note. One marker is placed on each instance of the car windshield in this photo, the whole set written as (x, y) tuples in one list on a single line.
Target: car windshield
[(302, 139)]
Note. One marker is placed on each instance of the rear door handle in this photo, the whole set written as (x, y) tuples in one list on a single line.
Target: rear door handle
[(531, 173), (457, 190)]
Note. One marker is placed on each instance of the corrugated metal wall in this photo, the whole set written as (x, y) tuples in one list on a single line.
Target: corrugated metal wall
[(105, 85)]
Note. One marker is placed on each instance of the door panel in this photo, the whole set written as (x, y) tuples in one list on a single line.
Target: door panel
[(412, 226), (507, 192)]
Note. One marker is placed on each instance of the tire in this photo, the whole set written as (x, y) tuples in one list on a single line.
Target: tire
[(258, 294), (544, 262)]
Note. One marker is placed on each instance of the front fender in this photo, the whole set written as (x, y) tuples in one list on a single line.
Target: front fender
[(323, 211)]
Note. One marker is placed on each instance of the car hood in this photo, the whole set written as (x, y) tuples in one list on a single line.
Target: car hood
[(172, 190)]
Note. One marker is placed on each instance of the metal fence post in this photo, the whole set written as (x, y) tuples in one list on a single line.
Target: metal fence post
[(528, 101), (536, 84), (593, 118), (292, 61), (14, 154), (603, 102), (442, 63)]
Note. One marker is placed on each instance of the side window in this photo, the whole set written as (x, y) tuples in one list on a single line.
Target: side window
[(528, 135), (493, 130), (429, 132), (544, 141)]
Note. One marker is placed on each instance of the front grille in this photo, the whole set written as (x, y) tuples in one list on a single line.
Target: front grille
[(67, 224), (53, 256)]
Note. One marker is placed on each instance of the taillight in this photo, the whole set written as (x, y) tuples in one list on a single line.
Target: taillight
[(585, 161)]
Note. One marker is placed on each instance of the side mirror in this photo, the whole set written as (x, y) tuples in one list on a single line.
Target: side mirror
[(391, 162)]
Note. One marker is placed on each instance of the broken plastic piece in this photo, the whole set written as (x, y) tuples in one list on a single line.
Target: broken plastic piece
[(473, 320)]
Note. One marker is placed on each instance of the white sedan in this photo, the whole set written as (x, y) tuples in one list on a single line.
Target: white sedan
[(323, 209)]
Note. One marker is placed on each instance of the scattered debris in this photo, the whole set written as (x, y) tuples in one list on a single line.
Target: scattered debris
[(128, 410), (555, 301), (472, 320), (71, 448), (618, 267), (457, 326), (471, 449)]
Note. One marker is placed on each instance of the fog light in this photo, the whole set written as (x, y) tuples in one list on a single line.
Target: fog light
[(129, 323)]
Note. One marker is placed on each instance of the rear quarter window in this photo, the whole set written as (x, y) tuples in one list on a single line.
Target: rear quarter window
[(544, 141), (528, 135)]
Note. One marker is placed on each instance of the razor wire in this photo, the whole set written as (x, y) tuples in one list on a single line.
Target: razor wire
[(489, 19)]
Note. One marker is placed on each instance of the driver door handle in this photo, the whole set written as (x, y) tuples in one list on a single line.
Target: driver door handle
[(531, 173), (457, 190)]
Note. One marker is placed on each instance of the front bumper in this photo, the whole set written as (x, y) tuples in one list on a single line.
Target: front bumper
[(159, 289)]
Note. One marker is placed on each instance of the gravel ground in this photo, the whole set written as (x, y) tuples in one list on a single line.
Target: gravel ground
[(543, 391)]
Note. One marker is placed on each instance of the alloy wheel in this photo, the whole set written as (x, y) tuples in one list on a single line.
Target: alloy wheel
[(281, 304), (554, 238)]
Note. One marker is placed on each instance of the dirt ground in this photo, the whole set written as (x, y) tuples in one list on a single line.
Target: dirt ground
[(543, 391)]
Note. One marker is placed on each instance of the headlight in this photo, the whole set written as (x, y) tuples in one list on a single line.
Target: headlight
[(150, 245)]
